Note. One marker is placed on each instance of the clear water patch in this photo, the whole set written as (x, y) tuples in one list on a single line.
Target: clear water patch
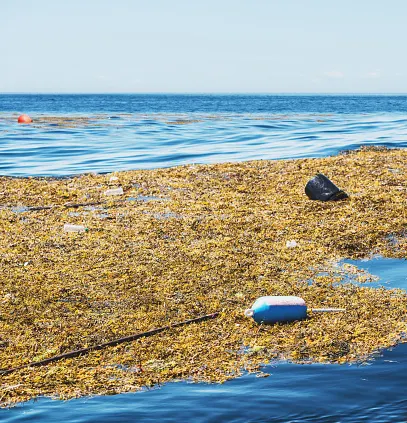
[(375, 272), (147, 198)]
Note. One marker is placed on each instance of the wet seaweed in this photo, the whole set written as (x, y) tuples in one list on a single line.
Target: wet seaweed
[(227, 246)]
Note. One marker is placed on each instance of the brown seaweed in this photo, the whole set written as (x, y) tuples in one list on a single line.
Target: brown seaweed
[(220, 243)]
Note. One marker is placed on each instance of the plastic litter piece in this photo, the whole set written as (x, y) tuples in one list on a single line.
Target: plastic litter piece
[(24, 119), (113, 178), (291, 244), (323, 189), (114, 191), (74, 228), (274, 309)]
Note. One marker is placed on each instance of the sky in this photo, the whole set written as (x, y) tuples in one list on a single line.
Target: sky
[(210, 46)]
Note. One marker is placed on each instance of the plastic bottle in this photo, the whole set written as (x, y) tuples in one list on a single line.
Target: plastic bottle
[(74, 228), (114, 191)]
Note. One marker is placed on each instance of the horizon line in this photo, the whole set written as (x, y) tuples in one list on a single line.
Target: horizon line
[(202, 93)]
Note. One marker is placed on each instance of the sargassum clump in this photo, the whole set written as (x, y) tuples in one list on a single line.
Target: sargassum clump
[(187, 241)]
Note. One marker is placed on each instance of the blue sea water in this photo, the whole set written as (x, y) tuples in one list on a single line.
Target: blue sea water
[(149, 131)]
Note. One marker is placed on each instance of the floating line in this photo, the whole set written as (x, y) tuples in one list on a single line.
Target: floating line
[(77, 353)]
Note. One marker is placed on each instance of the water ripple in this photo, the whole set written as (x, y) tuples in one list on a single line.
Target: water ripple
[(293, 393), (152, 140)]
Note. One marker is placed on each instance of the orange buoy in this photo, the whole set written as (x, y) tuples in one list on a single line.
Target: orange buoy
[(24, 119)]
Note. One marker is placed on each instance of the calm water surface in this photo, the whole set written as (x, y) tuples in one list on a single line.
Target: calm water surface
[(149, 131), (135, 132)]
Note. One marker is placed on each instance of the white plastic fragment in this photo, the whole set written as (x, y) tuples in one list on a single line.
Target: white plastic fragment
[(74, 228), (114, 191), (113, 178), (8, 297), (291, 244)]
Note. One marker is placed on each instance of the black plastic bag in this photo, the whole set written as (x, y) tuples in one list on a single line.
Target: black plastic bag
[(322, 189)]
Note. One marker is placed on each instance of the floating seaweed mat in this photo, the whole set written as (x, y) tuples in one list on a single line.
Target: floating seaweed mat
[(214, 238)]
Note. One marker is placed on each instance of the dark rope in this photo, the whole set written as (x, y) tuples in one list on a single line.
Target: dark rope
[(77, 353), (66, 205)]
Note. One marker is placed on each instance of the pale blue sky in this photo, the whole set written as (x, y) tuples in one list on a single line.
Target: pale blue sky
[(266, 46)]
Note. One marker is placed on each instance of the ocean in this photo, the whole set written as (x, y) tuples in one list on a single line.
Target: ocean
[(73, 134)]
